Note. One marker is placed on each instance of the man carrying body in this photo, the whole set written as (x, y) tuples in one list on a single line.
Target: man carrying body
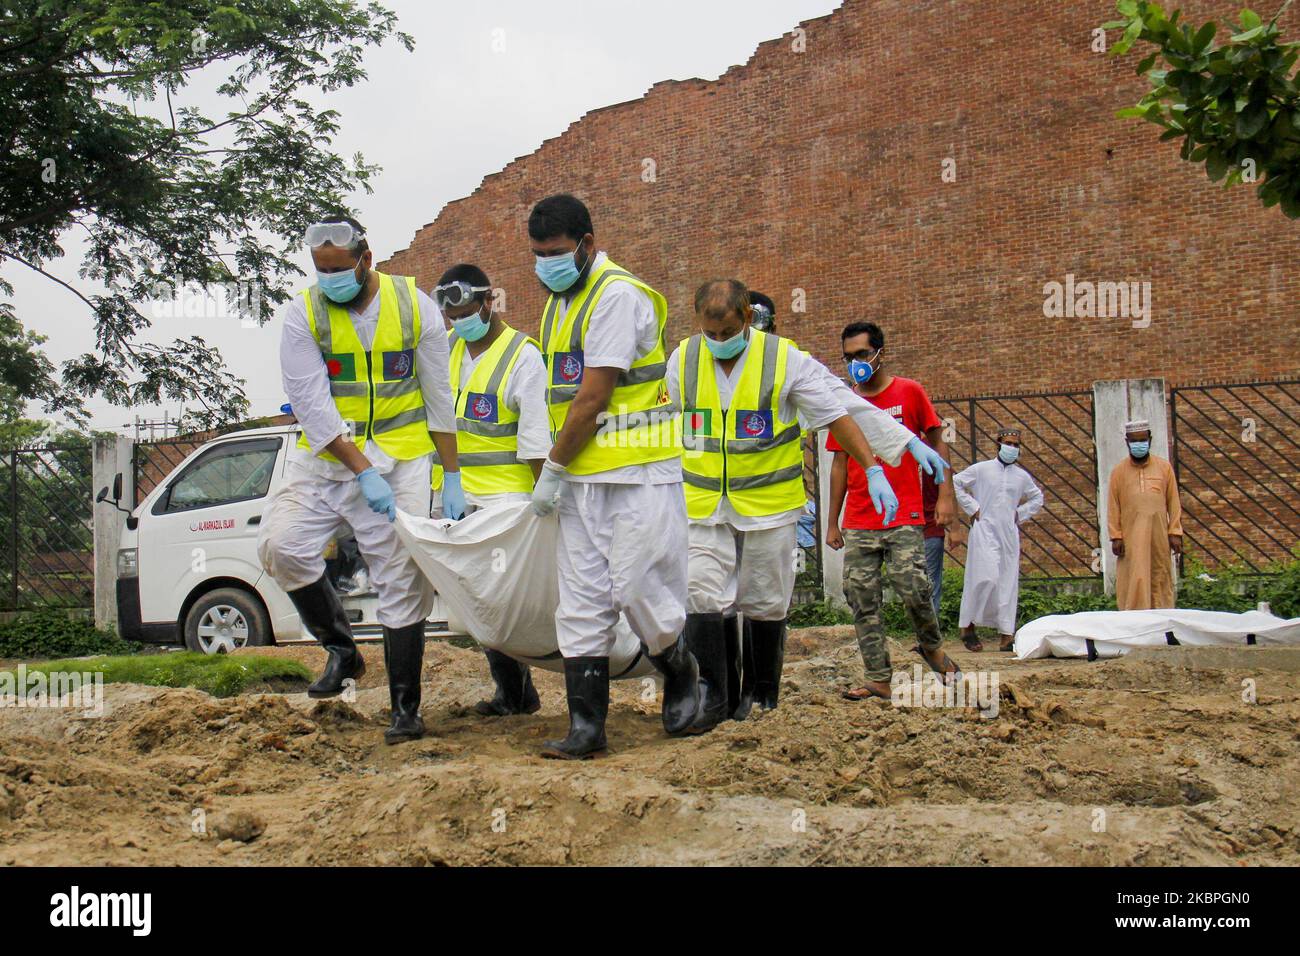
[(1145, 523), (364, 362), (615, 473), (498, 387), (999, 495), (743, 394), (889, 440), (873, 542)]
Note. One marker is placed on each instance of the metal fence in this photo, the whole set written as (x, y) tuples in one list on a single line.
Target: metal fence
[(152, 461), (1061, 542), (1235, 453), (46, 528)]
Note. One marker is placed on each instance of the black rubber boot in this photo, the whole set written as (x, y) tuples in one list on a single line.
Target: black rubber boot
[(515, 692), (731, 636), (681, 687), (586, 684), (404, 658), (323, 617), (706, 640), (768, 639), (748, 673)]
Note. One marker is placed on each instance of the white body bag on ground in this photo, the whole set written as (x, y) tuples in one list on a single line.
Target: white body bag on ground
[(495, 569), (1094, 634)]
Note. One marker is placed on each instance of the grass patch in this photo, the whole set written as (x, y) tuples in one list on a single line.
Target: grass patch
[(221, 675)]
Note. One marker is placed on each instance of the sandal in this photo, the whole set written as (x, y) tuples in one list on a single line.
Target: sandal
[(973, 644), (949, 676), (865, 693), (1008, 648)]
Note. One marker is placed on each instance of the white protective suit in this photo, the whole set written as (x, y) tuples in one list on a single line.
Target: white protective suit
[(622, 542), (1004, 496), (746, 564), (321, 496)]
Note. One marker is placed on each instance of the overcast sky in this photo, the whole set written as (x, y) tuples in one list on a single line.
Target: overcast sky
[(505, 75)]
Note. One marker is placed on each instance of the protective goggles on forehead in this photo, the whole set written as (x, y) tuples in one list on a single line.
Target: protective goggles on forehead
[(457, 293), (335, 233), (762, 316)]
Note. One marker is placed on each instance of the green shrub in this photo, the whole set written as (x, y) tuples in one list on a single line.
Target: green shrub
[(51, 633), (818, 614)]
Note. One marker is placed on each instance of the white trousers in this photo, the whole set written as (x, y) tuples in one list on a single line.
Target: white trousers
[(747, 571), (620, 548), (305, 514)]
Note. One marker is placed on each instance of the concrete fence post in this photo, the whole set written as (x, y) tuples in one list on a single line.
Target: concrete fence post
[(1115, 403), (110, 457)]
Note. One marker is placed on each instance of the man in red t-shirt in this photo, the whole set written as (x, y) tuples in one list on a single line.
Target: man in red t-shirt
[(875, 547)]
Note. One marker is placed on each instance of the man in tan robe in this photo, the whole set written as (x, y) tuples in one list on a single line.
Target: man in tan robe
[(1145, 524)]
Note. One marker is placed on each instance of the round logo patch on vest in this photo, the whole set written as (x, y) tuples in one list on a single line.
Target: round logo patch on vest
[(402, 365), (570, 368), (481, 407), (754, 424)]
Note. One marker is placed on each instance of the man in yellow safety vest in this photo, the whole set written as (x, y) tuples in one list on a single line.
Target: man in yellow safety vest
[(498, 387), (614, 472), (743, 395), (363, 358)]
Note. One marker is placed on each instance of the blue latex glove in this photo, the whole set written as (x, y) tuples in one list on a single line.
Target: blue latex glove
[(929, 459), (453, 497), (546, 492), (378, 494), (882, 495)]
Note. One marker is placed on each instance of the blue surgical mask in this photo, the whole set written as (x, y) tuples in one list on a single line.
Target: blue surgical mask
[(860, 371), (1139, 449), (727, 348), (558, 272), (471, 328), (1008, 454), (340, 287)]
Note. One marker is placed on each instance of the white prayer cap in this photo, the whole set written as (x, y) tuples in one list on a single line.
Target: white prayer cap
[(1137, 425)]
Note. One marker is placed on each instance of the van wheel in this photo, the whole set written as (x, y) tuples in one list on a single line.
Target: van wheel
[(226, 619)]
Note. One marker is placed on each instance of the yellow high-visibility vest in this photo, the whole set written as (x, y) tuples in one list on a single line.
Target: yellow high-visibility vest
[(747, 452), (487, 431), (639, 423), (376, 392)]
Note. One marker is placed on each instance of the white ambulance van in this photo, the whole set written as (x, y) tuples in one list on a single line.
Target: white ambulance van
[(187, 566)]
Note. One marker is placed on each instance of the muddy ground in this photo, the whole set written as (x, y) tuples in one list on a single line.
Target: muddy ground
[(1147, 760)]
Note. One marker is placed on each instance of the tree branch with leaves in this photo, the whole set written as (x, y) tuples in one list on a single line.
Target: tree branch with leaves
[(181, 199), (1235, 105)]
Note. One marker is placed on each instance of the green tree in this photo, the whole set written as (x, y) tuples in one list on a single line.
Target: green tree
[(96, 136), (1235, 105)]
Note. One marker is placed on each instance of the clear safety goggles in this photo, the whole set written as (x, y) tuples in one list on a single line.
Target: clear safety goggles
[(457, 293), (761, 318), (335, 233)]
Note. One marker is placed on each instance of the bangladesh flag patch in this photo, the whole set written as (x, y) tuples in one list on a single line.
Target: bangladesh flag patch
[(697, 421), (342, 366)]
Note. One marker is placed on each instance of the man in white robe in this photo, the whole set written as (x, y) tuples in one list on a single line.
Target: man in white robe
[(998, 495)]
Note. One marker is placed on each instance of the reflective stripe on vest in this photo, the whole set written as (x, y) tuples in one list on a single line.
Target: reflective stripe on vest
[(638, 425), (377, 392), (747, 451), (487, 430)]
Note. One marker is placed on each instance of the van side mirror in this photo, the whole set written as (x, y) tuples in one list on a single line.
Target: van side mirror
[(117, 496), (117, 487)]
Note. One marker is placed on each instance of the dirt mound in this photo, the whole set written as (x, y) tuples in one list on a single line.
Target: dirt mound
[(1118, 762)]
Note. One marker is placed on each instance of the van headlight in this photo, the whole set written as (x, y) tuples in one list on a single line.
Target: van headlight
[(128, 564)]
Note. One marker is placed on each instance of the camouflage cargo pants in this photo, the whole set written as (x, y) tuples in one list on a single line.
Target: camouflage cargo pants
[(901, 552)]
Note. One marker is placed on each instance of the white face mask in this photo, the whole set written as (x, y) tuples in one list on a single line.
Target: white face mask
[(1008, 454)]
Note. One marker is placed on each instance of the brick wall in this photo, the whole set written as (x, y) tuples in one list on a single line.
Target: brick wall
[(821, 171)]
